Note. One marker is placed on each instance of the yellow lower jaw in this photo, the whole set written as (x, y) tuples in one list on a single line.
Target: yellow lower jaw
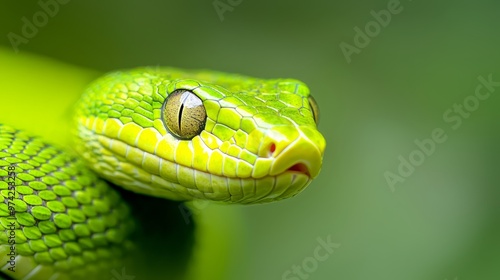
[(150, 170)]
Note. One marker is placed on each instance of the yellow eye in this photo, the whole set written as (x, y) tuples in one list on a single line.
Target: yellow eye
[(184, 114), (314, 108)]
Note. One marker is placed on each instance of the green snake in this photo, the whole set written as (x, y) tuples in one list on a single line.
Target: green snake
[(180, 135)]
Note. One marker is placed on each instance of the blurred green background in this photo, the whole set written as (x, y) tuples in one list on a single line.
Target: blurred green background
[(441, 223)]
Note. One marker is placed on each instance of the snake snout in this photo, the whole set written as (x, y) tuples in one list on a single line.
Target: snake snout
[(303, 154)]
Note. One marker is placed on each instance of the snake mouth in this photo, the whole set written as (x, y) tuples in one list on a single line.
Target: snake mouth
[(300, 168)]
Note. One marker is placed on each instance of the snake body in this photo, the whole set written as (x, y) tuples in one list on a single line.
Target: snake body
[(162, 132)]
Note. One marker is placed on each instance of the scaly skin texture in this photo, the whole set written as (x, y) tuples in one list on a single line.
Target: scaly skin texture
[(61, 220), (259, 142)]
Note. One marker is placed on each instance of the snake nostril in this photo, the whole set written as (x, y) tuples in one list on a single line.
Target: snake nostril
[(268, 149), (300, 167), (272, 148)]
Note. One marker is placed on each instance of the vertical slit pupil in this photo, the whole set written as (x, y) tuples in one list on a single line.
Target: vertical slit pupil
[(184, 114), (180, 116)]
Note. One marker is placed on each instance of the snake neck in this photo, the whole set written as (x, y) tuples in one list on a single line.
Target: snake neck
[(40, 94)]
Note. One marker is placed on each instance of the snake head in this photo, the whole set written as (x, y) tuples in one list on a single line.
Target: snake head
[(200, 134)]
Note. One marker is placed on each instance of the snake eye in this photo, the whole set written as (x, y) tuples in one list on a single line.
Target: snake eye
[(184, 114), (314, 108)]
